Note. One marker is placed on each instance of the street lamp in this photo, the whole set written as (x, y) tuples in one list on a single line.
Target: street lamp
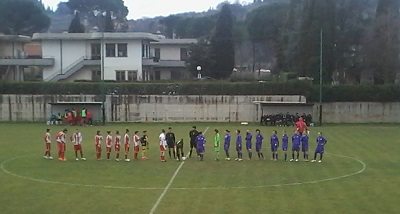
[(198, 68)]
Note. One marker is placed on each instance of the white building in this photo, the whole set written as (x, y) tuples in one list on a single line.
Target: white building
[(14, 60), (170, 57), (112, 56)]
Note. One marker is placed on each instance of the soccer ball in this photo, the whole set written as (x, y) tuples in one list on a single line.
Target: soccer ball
[(183, 158)]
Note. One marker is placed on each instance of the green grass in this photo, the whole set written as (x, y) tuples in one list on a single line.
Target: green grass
[(35, 185)]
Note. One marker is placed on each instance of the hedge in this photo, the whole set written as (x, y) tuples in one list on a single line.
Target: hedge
[(382, 93)]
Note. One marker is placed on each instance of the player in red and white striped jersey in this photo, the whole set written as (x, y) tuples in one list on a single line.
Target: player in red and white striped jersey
[(127, 143), (109, 141), (77, 140), (98, 139), (117, 145), (136, 145), (60, 138), (47, 145)]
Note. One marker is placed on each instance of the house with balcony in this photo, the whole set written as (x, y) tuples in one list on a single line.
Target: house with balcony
[(15, 61), (112, 56), (169, 61)]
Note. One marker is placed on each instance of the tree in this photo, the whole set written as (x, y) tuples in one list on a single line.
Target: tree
[(200, 55), (223, 45), (76, 26), (317, 16), (88, 6), (384, 42), (92, 10), (22, 17), (109, 24), (264, 26)]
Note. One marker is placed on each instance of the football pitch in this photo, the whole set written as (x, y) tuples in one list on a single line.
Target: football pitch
[(360, 173)]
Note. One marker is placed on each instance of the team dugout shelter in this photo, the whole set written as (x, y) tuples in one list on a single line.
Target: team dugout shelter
[(94, 109), (299, 107)]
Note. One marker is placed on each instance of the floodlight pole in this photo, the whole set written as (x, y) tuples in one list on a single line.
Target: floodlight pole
[(320, 77)]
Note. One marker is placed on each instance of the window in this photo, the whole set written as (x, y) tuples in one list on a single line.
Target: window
[(157, 53), (110, 50), (120, 76), (132, 76), (117, 50), (96, 51), (184, 54), (143, 50), (122, 50), (96, 75)]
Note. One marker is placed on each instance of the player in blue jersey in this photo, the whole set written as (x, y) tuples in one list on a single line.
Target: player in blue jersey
[(321, 141), (259, 141), (304, 145), (200, 143), (249, 137), (296, 141), (285, 144), (227, 144), (239, 146), (274, 145)]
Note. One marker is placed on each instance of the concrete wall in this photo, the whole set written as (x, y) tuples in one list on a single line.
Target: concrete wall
[(151, 108), (359, 112)]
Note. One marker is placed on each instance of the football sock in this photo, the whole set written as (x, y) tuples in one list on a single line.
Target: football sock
[(258, 154), (108, 155), (276, 156), (297, 157), (118, 156), (190, 153), (250, 155), (321, 156), (227, 154), (174, 154), (315, 156), (169, 152), (261, 154), (285, 156), (293, 155)]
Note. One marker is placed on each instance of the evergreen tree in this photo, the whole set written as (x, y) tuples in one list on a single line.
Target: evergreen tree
[(76, 26), (108, 23), (384, 42), (223, 45), (317, 16)]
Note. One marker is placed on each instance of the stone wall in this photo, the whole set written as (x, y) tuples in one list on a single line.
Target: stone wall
[(155, 108)]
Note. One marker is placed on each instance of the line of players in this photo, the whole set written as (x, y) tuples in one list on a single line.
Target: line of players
[(197, 142), (300, 140)]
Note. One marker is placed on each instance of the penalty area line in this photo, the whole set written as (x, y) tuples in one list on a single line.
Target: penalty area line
[(154, 208)]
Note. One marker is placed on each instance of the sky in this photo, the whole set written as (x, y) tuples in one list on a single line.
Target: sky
[(151, 8)]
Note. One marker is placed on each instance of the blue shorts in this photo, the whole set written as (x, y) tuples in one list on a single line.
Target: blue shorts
[(200, 149), (274, 148), (284, 148), (296, 148), (304, 148), (258, 148), (248, 146), (321, 151)]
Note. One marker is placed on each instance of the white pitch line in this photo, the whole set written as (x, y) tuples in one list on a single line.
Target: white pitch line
[(153, 209), (3, 168)]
